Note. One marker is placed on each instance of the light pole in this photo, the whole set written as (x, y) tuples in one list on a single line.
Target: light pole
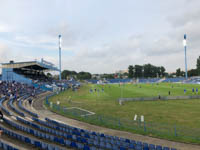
[(121, 90), (59, 56), (184, 44)]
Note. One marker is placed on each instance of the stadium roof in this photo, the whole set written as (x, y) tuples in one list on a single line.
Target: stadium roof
[(36, 65)]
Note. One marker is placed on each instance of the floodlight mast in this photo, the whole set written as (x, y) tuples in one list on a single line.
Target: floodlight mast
[(185, 46), (59, 57)]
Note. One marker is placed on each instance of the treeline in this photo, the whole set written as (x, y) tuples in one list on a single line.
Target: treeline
[(136, 71), (108, 76), (146, 71), (192, 72), (67, 74)]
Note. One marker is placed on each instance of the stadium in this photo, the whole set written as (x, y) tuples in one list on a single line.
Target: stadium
[(120, 79), (41, 113), (44, 113)]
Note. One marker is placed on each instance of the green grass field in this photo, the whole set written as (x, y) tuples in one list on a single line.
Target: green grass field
[(179, 113)]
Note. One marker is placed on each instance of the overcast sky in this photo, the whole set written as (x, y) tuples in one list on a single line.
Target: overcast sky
[(101, 36)]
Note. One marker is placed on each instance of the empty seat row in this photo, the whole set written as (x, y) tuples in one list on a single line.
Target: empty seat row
[(26, 110), (78, 140), (10, 103), (6, 146), (122, 142), (3, 108), (99, 137), (28, 140), (60, 137), (51, 138)]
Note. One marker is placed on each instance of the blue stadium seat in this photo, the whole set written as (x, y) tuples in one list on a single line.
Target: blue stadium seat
[(68, 142), (96, 143), (50, 147), (158, 147), (73, 145), (93, 148), (27, 140), (80, 145), (152, 147), (127, 140), (122, 148), (102, 144), (108, 146), (138, 147), (86, 147), (132, 146)]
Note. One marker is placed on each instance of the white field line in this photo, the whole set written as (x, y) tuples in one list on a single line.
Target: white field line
[(89, 112)]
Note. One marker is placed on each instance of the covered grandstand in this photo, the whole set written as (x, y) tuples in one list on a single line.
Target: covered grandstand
[(27, 72)]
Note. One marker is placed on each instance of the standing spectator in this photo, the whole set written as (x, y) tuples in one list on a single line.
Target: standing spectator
[(196, 90), (1, 131), (159, 96), (1, 115), (169, 93), (30, 101)]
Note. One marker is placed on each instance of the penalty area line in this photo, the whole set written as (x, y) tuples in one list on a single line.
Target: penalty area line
[(89, 112)]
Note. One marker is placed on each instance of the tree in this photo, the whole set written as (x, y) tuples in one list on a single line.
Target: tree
[(107, 76), (84, 75), (192, 72), (49, 75), (178, 72), (147, 70), (159, 71), (130, 71), (162, 69), (151, 70), (198, 65), (125, 75), (66, 73), (138, 71)]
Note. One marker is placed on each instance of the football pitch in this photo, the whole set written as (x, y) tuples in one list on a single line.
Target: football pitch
[(103, 101)]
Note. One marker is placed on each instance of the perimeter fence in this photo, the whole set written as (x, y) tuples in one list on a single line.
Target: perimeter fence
[(166, 131)]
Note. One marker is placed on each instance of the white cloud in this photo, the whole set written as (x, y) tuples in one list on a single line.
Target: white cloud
[(5, 53), (105, 51), (4, 28)]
